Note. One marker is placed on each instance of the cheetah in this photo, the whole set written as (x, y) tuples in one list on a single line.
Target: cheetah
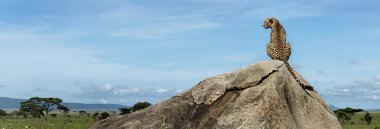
[(279, 49)]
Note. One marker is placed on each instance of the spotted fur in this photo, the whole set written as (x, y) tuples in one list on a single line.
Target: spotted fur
[(278, 48)]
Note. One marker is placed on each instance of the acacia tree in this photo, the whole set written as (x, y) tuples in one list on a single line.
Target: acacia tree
[(367, 118), (346, 114), (3, 113), (64, 109), (42, 106)]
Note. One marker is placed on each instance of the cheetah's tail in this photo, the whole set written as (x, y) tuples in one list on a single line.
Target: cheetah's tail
[(295, 77)]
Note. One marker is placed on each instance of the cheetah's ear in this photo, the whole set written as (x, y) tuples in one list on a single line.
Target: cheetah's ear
[(271, 21)]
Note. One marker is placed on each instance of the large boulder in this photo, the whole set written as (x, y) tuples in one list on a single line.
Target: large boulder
[(260, 96)]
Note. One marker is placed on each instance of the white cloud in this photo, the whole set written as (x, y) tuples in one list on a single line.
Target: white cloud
[(120, 91), (103, 101), (135, 90), (373, 97), (124, 90), (161, 90), (377, 78), (179, 91), (123, 100), (107, 87)]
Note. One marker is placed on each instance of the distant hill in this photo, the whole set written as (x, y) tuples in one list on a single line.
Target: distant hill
[(10, 103), (333, 108), (13, 103), (372, 110), (82, 106)]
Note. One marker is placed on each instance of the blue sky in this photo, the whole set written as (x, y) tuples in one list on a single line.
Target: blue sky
[(121, 51)]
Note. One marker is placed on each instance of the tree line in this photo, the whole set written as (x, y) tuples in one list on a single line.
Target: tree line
[(39, 107)]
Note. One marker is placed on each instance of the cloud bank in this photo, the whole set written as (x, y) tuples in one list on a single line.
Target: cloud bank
[(358, 92), (108, 93)]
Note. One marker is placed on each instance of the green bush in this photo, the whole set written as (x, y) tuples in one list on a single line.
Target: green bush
[(3, 113), (367, 118), (104, 115), (140, 105), (124, 111)]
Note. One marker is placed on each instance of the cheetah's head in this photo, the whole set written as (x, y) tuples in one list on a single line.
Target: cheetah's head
[(269, 22)]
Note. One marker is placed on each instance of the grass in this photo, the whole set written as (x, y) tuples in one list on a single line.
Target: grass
[(84, 122), (358, 124), (74, 122), (52, 123)]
